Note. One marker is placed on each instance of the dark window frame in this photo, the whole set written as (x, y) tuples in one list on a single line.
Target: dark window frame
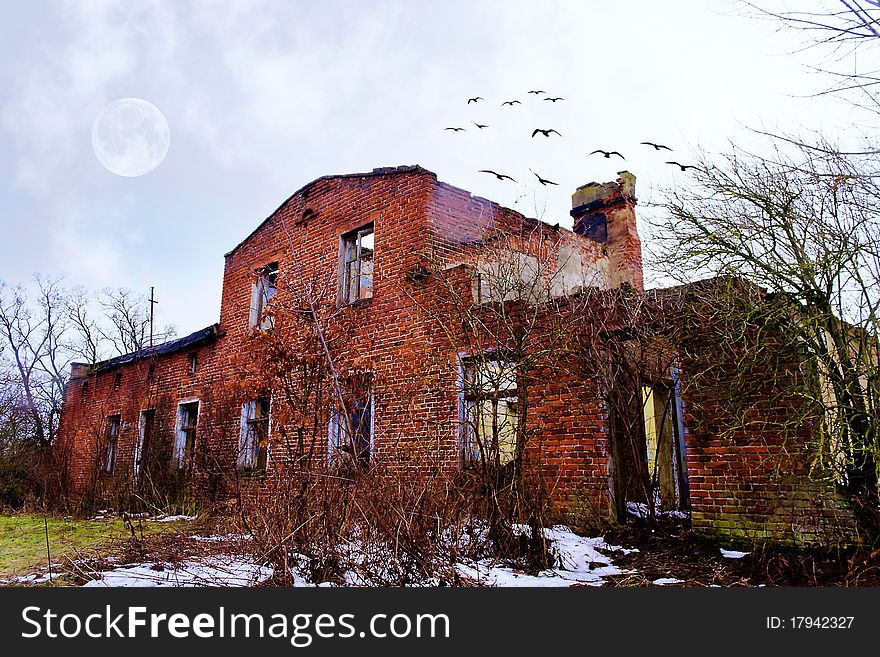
[(110, 445), (187, 425), (253, 453), (476, 391), (263, 290), (359, 407), (353, 256)]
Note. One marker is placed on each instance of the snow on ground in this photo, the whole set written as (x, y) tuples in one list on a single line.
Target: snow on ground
[(641, 510), (105, 514), (600, 544), (211, 571), (217, 538), (663, 581), (733, 554), (33, 578), (578, 562)]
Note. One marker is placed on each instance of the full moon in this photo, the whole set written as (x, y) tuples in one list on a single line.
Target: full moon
[(130, 137)]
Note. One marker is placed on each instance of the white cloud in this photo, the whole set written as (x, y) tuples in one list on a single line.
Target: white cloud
[(265, 95)]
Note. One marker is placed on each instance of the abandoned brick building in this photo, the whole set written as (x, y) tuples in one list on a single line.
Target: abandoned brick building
[(405, 267)]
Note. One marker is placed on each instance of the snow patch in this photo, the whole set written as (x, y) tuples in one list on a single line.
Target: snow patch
[(175, 518), (579, 562), (212, 571), (733, 554), (641, 510), (34, 578), (218, 538), (600, 544)]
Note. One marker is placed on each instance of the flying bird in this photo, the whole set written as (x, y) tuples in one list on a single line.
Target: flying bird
[(608, 154), (480, 125), (544, 132), (511, 103), (543, 181), (475, 99), (553, 100), (536, 92), (657, 147), (684, 167), (454, 129), (500, 176)]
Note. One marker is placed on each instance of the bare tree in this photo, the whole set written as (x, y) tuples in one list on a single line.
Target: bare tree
[(33, 336), (86, 340), (42, 330), (803, 226), (128, 321), (846, 35)]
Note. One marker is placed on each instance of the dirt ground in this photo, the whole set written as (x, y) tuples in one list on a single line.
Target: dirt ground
[(668, 549), (662, 549)]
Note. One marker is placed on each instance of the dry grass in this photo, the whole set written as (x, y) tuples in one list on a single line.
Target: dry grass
[(71, 541)]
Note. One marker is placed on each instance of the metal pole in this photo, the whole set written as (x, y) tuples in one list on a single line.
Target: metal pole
[(152, 303)]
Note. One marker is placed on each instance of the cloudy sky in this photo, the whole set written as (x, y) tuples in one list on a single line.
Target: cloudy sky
[(263, 97)]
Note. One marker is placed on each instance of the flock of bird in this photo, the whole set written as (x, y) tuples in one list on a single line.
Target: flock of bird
[(546, 132)]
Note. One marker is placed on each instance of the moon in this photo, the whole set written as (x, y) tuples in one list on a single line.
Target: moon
[(130, 137)]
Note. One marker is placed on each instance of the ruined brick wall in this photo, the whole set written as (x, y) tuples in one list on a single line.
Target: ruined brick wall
[(569, 441), (563, 401), (411, 336), (402, 335), (391, 336), (467, 229), (749, 463), (157, 383), (606, 214)]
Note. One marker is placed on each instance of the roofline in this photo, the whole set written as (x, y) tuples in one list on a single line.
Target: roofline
[(379, 171), (210, 333)]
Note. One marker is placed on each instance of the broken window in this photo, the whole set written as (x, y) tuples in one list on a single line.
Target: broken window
[(253, 439), (262, 291), (351, 432), (117, 380), (356, 265), (111, 438), (509, 276), (146, 423), (185, 435), (193, 362), (490, 396)]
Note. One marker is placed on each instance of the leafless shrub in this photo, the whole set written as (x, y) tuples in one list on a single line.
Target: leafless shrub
[(382, 528)]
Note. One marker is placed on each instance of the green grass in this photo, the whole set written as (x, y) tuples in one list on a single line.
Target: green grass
[(23, 539)]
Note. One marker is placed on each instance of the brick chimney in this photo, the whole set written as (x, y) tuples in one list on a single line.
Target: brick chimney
[(606, 214), (80, 370)]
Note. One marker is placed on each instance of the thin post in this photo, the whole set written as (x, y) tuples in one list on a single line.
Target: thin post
[(48, 552), (153, 302)]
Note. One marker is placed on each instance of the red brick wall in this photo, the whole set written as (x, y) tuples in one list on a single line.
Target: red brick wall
[(402, 334), (750, 476), (403, 331), (150, 383)]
